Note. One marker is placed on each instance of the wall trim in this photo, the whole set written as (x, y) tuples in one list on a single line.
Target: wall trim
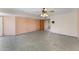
[(63, 34)]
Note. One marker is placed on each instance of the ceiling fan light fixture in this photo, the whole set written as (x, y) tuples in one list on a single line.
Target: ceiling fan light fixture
[(44, 12), (44, 15)]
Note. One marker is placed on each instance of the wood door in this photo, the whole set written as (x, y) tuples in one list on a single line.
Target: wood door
[(41, 25)]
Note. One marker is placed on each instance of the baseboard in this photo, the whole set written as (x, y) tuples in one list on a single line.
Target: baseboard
[(25, 33), (64, 34)]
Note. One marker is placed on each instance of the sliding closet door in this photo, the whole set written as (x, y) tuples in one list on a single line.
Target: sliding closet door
[(1, 28), (9, 25)]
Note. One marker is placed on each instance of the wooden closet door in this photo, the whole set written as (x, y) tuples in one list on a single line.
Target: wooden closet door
[(41, 25)]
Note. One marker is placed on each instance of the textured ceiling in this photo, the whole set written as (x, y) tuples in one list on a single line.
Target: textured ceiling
[(37, 11), (34, 11)]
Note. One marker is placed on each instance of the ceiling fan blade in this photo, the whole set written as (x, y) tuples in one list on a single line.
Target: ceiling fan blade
[(51, 11)]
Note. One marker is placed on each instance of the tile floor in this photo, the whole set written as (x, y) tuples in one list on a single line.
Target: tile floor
[(39, 41)]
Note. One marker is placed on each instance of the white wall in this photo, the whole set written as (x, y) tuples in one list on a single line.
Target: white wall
[(65, 23), (78, 22), (46, 25), (9, 25), (1, 28)]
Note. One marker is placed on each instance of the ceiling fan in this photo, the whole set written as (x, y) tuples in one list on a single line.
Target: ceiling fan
[(44, 12)]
